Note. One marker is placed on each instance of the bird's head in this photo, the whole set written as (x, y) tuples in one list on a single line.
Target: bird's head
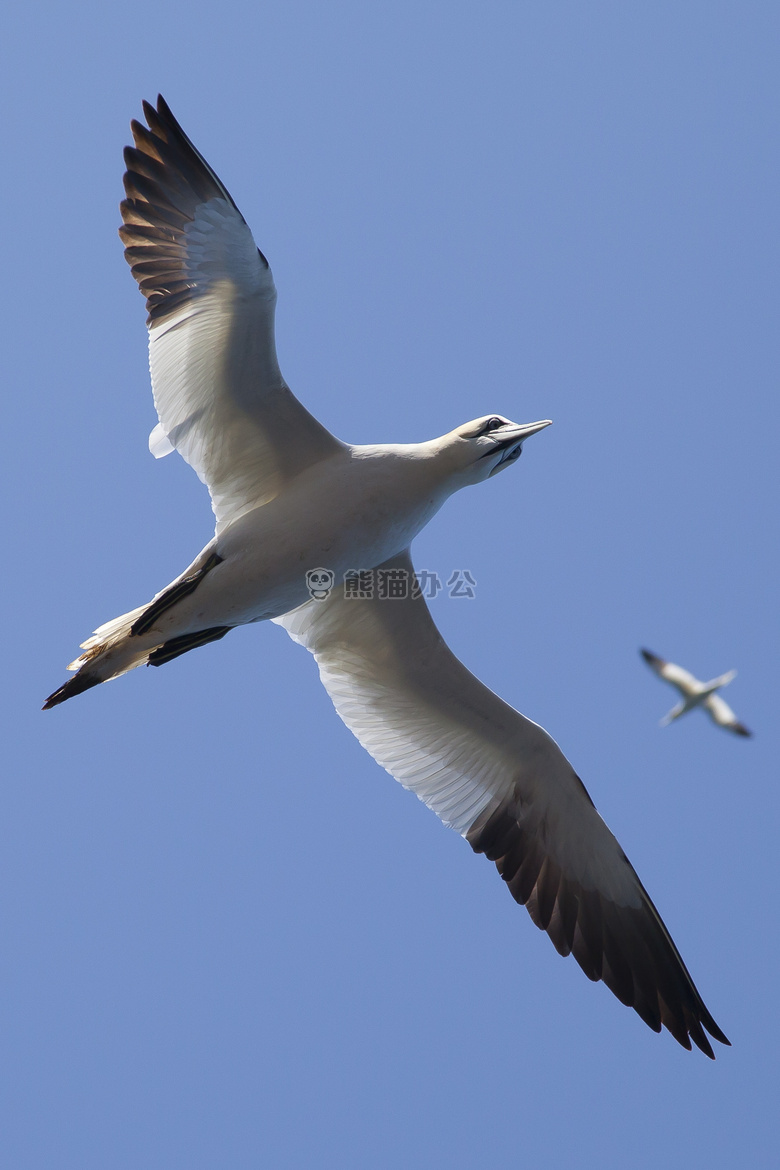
[(485, 446)]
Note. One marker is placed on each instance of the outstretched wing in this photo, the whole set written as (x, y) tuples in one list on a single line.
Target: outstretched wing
[(503, 783), (220, 396), (724, 716), (686, 683)]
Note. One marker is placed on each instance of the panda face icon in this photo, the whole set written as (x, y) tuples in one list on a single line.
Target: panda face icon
[(319, 582)]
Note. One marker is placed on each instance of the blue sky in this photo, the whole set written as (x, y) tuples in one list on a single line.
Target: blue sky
[(230, 939)]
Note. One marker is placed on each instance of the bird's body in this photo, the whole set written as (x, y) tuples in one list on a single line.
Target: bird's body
[(696, 693), (289, 498), (352, 510)]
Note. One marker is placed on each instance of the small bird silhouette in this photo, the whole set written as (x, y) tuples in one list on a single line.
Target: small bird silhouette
[(696, 693)]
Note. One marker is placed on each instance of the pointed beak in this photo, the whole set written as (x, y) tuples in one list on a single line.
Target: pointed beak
[(510, 439), (514, 434)]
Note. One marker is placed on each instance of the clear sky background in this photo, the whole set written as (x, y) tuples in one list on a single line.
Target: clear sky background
[(229, 939)]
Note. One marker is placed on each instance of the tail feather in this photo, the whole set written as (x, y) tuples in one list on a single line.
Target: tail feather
[(108, 653), (74, 686), (107, 635), (114, 649)]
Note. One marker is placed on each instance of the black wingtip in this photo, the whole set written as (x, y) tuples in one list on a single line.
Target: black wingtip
[(164, 114), (703, 1045), (150, 113), (74, 686), (740, 729), (702, 1041), (715, 1031)]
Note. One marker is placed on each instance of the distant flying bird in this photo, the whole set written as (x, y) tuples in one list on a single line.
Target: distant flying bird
[(298, 510), (696, 693)]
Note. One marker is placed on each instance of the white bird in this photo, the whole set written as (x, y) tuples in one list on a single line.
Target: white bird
[(696, 693), (290, 498)]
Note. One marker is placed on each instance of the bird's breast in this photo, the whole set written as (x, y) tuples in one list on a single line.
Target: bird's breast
[(341, 517)]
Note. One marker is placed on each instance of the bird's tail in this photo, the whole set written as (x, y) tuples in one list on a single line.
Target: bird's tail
[(118, 646), (135, 638), (110, 652)]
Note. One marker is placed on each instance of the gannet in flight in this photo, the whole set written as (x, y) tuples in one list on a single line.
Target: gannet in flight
[(696, 693), (290, 498)]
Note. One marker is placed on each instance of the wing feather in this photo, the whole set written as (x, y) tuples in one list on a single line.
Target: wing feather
[(722, 714), (685, 682), (503, 783), (220, 396)]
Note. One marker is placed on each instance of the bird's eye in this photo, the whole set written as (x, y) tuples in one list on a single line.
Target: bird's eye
[(491, 425)]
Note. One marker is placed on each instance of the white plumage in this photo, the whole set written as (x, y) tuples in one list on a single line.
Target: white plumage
[(696, 693), (289, 498)]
